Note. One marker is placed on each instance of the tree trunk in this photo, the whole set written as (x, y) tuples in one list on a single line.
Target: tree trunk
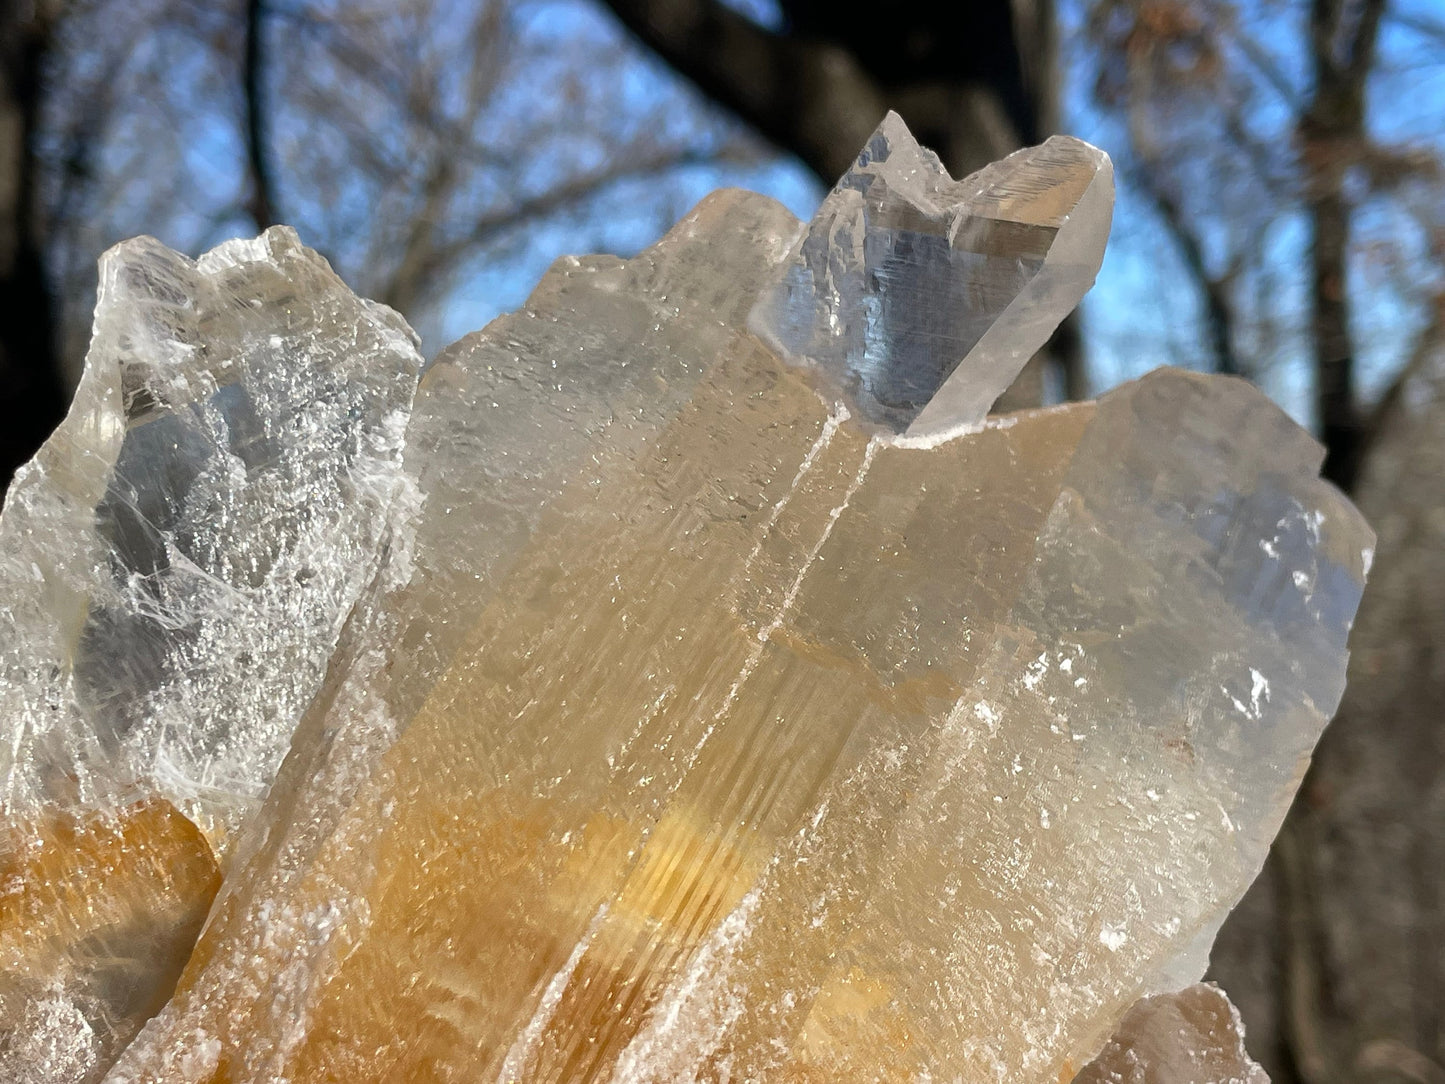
[(29, 370), (1332, 138), (1334, 957), (1339, 418), (262, 202)]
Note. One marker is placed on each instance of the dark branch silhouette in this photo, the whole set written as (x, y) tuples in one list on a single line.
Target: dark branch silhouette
[(1218, 312), (262, 204), (35, 396), (1332, 136)]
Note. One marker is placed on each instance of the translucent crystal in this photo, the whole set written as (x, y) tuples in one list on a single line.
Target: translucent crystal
[(176, 565), (98, 914), (696, 731), (918, 297)]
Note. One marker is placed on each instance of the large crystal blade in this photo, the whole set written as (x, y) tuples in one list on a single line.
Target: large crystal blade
[(919, 298), (652, 716), (509, 424)]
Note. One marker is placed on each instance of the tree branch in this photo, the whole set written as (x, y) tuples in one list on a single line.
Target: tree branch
[(1265, 65), (1390, 404), (807, 97), (1419, 24), (416, 277), (29, 369), (1332, 132), (1218, 318), (1362, 46), (262, 204)]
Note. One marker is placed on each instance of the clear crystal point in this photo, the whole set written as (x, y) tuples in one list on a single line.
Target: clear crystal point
[(919, 298)]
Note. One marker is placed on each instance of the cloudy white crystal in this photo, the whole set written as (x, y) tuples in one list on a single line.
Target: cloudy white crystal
[(175, 568), (178, 559)]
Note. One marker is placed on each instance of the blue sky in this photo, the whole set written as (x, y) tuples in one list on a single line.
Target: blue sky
[(576, 92), (1144, 310)]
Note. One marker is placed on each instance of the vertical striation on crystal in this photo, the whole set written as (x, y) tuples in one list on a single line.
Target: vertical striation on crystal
[(177, 565), (919, 298), (510, 426), (703, 733)]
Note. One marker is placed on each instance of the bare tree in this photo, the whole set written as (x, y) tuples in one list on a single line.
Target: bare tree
[(1332, 140), (414, 140), (1234, 119), (973, 81), (410, 142)]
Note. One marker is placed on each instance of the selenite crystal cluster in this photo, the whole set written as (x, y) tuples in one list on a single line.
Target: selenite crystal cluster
[(686, 681)]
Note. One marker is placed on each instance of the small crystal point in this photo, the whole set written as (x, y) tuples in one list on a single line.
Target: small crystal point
[(1194, 1036), (919, 298)]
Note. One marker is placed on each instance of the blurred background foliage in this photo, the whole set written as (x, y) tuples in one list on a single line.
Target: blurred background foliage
[(1281, 216)]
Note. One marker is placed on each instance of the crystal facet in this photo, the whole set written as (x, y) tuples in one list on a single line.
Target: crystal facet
[(1191, 1037), (743, 741)]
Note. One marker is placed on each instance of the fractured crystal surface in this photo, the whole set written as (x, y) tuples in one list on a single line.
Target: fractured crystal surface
[(177, 563), (1191, 1037), (759, 746)]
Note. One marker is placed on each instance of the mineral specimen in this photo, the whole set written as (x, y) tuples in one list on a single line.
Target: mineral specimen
[(688, 723)]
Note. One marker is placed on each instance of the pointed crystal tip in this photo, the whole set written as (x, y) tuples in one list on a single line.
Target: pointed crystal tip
[(919, 298)]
